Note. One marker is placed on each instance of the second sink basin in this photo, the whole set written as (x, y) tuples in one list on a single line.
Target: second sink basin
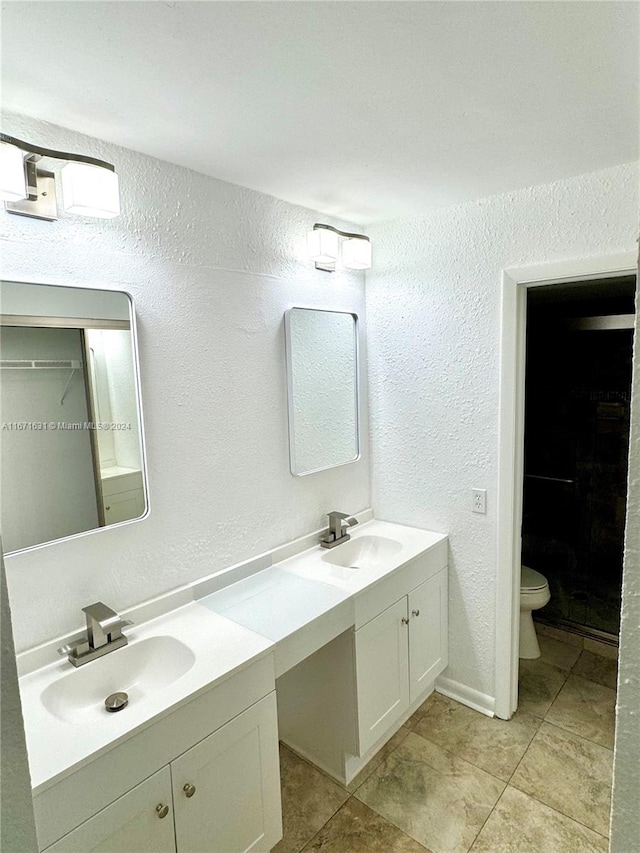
[(139, 669), (365, 552)]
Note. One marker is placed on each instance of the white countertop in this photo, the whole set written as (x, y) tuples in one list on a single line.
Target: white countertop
[(267, 612), (56, 746), (274, 603), (414, 541)]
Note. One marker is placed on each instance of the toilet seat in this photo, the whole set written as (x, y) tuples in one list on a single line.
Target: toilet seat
[(531, 581)]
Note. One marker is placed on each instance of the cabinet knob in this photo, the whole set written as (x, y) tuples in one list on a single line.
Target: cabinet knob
[(405, 621), (189, 789), (107, 508), (415, 612), (162, 810)]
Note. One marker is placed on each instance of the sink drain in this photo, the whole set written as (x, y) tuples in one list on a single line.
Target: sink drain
[(116, 702)]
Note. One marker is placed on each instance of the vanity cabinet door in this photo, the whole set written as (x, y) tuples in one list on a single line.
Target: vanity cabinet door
[(141, 820), (382, 673), (226, 789), (428, 632)]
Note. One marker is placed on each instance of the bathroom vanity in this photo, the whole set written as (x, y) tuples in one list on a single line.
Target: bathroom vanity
[(328, 650)]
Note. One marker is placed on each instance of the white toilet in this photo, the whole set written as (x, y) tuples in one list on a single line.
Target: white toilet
[(534, 594)]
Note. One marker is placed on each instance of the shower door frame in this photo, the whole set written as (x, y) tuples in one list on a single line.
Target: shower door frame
[(513, 326)]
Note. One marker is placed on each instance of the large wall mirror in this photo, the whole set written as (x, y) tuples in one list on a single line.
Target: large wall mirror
[(323, 389), (71, 444)]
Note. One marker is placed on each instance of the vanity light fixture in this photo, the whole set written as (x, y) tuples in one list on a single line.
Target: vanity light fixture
[(13, 184), (324, 248), (89, 185)]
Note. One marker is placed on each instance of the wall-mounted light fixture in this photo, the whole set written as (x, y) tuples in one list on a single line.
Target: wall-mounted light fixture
[(89, 186), (324, 248)]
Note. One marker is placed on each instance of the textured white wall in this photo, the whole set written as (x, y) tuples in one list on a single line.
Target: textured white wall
[(212, 267), (433, 315), (625, 814)]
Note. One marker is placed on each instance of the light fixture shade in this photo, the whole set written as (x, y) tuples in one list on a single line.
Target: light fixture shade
[(356, 254), (90, 190), (13, 184), (322, 245)]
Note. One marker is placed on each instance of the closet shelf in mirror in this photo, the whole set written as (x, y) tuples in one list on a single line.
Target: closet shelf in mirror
[(44, 364), (40, 364)]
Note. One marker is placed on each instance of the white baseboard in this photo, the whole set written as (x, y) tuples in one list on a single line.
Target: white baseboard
[(466, 695)]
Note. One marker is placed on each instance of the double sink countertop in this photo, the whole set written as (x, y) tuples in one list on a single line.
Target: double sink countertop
[(289, 610)]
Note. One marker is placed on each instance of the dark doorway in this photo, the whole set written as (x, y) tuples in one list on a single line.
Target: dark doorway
[(577, 405)]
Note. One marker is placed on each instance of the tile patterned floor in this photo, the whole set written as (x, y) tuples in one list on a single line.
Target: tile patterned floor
[(454, 781)]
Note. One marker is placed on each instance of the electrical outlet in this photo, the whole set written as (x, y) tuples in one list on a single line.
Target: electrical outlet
[(479, 497)]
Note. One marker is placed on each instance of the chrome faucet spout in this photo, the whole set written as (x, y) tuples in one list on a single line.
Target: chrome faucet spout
[(104, 634), (103, 624), (337, 533)]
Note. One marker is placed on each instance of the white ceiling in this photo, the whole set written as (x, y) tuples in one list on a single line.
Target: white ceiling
[(365, 110)]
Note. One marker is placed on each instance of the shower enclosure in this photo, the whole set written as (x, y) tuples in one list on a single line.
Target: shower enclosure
[(577, 405)]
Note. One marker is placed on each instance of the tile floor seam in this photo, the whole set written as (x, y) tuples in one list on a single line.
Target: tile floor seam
[(495, 805), (307, 843), (393, 823), (570, 731), (558, 811), (537, 799), (478, 766), (515, 769), (565, 675), (382, 817), (581, 737), (456, 757)]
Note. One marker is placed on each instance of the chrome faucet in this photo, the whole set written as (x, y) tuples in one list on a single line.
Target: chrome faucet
[(104, 634), (337, 533)]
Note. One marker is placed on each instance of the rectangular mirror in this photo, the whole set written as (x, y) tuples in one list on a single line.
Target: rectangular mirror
[(323, 392), (71, 455)]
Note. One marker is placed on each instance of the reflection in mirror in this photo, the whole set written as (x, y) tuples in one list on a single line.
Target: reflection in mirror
[(71, 456), (322, 372)]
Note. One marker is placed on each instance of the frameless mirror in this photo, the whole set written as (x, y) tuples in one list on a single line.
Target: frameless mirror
[(322, 374), (71, 455)]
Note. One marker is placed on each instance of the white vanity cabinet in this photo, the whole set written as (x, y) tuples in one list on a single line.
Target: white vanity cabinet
[(226, 790), (398, 655), (221, 796), (428, 614), (211, 765), (140, 821), (339, 706), (382, 673)]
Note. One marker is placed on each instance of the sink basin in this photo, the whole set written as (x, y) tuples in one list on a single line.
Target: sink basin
[(365, 552), (140, 669)]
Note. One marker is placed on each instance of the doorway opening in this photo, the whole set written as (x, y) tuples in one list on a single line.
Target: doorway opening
[(517, 283), (579, 349)]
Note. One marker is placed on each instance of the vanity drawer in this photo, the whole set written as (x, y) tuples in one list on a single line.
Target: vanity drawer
[(82, 794), (376, 599)]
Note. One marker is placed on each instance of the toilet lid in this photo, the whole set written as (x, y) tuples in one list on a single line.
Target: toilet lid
[(530, 579)]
